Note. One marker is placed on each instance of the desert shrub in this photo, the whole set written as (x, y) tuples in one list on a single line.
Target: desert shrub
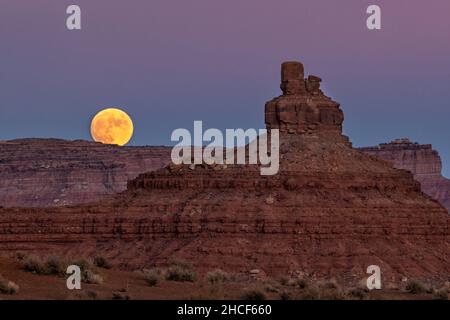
[(253, 294), (358, 293), (329, 285), (284, 281), (441, 294), (302, 283), (88, 276), (102, 262), (21, 255), (310, 293), (270, 288), (152, 276), (415, 287), (328, 290), (35, 264), (92, 295), (8, 287), (56, 265), (83, 264), (332, 294), (181, 271), (285, 295), (120, 296), (217, 276)]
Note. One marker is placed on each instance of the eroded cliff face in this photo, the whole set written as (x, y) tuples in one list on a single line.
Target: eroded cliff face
[(331, 211), (419, 159), (52, 172)]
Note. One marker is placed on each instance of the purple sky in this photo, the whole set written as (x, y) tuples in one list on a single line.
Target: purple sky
[(169, 62)]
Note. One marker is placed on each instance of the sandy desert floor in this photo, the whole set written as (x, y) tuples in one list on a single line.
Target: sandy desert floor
[(119, 284)]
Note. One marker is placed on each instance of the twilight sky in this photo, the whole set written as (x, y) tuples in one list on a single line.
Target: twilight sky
[(170, 62)]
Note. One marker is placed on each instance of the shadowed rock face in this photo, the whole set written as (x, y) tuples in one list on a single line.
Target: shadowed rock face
[(52, 172), (419, 159), (331, 211)]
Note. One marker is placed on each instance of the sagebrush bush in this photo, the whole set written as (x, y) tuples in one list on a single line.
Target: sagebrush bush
[(120, 296), (302, 283), (8, 287), (92, 295), (181, 271), (253, 294), (358, 293), (310, 293), (285, 295), (217, 276), (90, 277), (153, 276), (415, 287), (35, 264), (441, 294), (84, 264), (284, 281), (56, 265), (52, 265), (21, 255)]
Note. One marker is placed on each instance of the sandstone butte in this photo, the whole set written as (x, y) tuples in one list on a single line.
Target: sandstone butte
[(331, 211), (421, 160), (54, 172)]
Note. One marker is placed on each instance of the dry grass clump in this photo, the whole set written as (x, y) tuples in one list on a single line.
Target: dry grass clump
[(102, 262), (34, 264), (153, 276), (415, 287), (181, 271), (302, 283), (358, 293), (88, 276), (217, 277), (92, 295), (120, 296), (55, 265), (323, 291), (285, 295), (284, 281), (441, 294), (8, 287), (253, 294), (21, 255)]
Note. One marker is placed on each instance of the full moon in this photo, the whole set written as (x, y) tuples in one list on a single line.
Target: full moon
[(112, 126)]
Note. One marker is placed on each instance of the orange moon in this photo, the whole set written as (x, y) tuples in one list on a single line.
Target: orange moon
[(112, 126)]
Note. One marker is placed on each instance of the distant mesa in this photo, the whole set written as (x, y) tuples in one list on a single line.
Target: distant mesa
[(419, 159), (54, 172)]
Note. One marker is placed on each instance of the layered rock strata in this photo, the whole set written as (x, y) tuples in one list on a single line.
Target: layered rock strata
[(52, 172), (419, 159)]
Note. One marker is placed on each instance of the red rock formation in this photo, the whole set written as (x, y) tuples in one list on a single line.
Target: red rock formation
[(419, 159), (51, 172), (331, 211)]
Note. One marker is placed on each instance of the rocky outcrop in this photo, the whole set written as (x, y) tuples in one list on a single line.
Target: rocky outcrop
[(52, 172), (303, 107), (331, 211), (419, 159)]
